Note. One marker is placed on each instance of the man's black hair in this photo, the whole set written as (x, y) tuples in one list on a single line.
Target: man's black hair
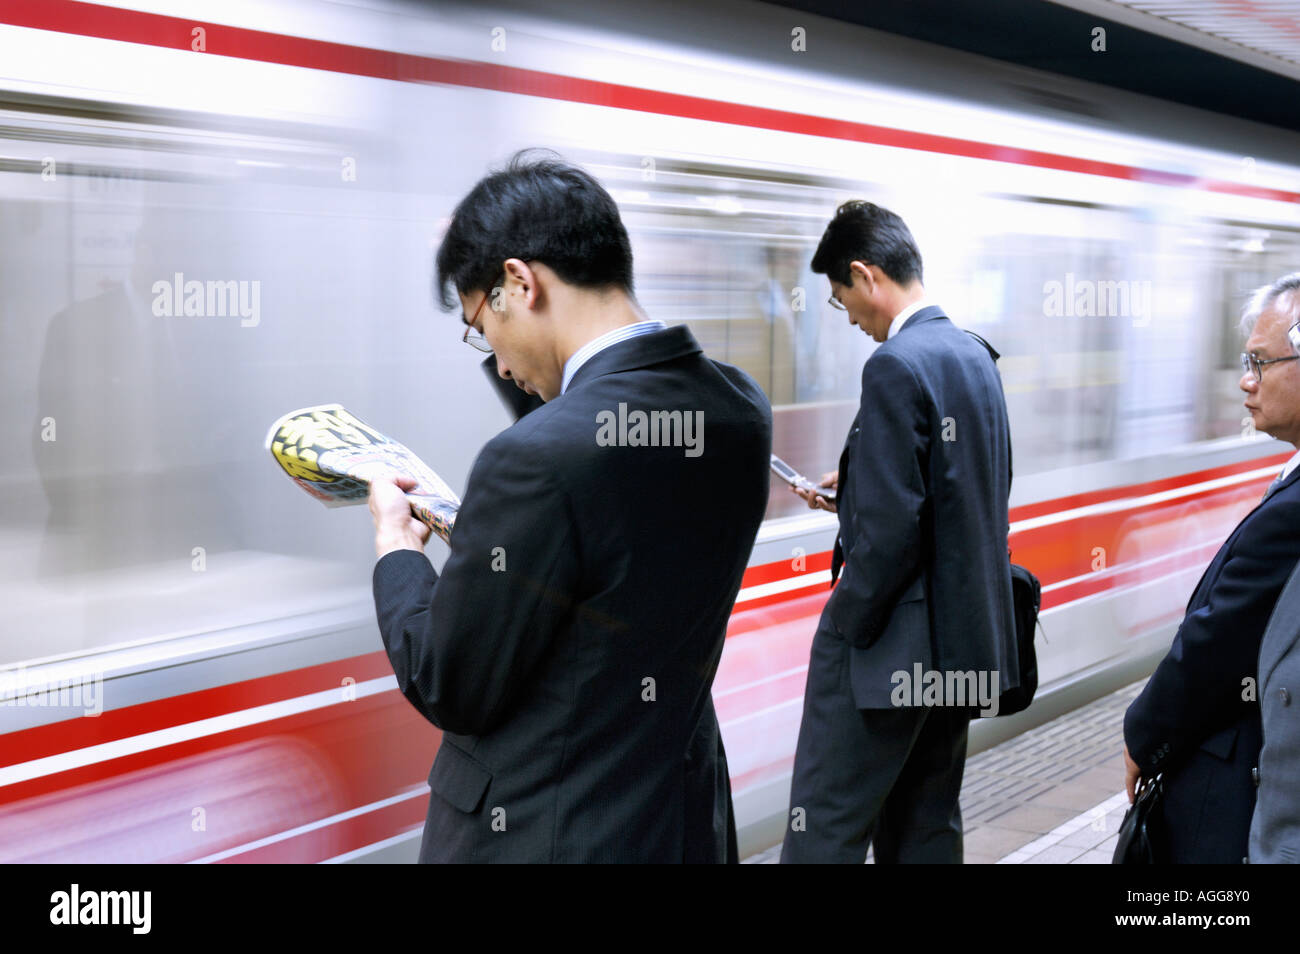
[(538, 207), (864, 232)]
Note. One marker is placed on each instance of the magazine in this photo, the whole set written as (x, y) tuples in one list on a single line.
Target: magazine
[(332, 454)]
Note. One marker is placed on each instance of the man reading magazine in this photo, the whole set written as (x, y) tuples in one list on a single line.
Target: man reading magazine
[(568, 648)]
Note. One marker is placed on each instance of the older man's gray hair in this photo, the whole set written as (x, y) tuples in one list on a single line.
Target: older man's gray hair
[(1287, 287)]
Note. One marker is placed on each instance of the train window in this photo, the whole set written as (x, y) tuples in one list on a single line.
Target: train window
[(139, 504)]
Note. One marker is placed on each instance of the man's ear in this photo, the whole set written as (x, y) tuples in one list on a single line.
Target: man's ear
[(522, 280), (866, 274)]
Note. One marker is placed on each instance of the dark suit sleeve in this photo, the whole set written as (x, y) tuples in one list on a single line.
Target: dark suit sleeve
[(888, 476), (464, 645), (1198, 687)]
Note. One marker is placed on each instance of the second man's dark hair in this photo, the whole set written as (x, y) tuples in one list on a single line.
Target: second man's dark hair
[(864, 232), (537, 208)]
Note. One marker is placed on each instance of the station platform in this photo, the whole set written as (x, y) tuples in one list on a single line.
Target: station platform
[(1052, 795)]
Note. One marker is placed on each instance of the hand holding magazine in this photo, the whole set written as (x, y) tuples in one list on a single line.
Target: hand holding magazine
[(333, 455)]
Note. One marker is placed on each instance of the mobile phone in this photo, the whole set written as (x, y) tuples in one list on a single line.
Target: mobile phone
[(796, 479)]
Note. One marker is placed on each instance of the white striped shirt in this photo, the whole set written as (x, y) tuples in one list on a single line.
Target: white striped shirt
[(608, 339)]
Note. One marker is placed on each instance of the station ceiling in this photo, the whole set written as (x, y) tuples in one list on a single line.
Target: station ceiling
[(1237, 57)]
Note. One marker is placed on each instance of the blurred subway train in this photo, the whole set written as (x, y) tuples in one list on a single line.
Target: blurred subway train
[(212, 213)]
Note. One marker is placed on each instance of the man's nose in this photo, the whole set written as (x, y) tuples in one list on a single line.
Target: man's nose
[(1248, 383), (503, 371)]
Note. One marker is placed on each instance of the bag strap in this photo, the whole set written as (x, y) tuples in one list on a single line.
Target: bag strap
[(988, 347), (994, 355)]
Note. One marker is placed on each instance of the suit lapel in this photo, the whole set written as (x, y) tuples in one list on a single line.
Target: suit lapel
[(1212, 571), (1275, 486)]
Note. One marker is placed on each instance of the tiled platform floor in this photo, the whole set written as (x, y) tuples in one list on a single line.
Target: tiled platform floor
[(1053, 795)]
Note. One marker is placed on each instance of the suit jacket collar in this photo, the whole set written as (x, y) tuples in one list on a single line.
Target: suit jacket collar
[(639, 352), (1211, 571), (1290, 479), (928, 313)]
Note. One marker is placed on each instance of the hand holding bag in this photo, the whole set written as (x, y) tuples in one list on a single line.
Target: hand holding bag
[(1138, 842)]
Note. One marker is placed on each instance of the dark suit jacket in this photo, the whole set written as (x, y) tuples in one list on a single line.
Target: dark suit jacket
[(924, 481), (1275, 828), (1196, 720), (573, 685)]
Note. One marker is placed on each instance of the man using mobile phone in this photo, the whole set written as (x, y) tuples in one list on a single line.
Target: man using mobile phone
[(818, 501), (925, 587)]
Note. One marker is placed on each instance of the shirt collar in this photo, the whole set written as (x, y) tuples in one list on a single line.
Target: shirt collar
[(1290, 466), (608, 339), (902, 316)]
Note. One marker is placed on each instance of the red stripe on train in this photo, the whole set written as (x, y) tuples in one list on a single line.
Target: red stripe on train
[(1052, 553), (1091, 497), (44, 740), (371, 775), (159, 30)]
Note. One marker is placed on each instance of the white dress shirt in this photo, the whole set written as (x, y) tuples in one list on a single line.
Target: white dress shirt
[(905, 314), (1290, 466), (608, 339)]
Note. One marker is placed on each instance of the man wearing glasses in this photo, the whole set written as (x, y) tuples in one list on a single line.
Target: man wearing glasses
[(568, 648), (1275, 826), (1197, 721), (925, 590)]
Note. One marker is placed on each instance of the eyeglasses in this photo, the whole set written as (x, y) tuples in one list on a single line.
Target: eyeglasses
[(476, 340), (836, 303), (1255, 365)]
